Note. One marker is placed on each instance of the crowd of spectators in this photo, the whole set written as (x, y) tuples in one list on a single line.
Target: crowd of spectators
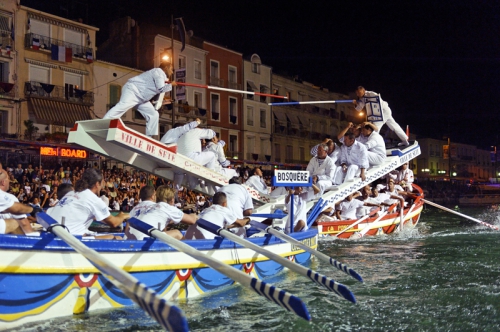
[(37, 185)]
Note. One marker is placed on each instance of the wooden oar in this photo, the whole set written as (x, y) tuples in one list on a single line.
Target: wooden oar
[(272, 293), (320, 279), (319, 255), (359, 221), (168, 316), (400, 226), (367, 228), (461, 215)]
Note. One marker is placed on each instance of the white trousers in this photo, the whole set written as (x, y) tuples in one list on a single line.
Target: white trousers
[(204, 158), (349, 174), (131, 97), (375, 159), (392, 124)]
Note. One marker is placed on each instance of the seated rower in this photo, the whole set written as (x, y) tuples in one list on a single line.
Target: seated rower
[(346, 210), (158, 210), (219, 215), (78, 208)]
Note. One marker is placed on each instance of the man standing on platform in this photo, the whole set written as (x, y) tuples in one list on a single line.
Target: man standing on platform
[(138, 91), (363, 95)]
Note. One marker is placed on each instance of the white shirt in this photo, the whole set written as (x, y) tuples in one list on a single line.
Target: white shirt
[(299, 210), (151, 83), (218, 215), (218, 150), (257, 183), (189, 144), (159, 214), (361, 102), (356, 154), (374, 143), (323, 172), (348, 208), (334, 155), (6, 200), (405, 175), (238, 199), (79, 210), (173, 134)]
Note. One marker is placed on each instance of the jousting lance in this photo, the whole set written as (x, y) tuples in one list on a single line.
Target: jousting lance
[(311, 102), (210, 87)]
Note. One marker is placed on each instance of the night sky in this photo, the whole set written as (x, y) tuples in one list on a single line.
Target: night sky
[(437, 63)]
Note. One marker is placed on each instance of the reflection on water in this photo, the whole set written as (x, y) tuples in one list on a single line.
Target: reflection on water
[(443, 276)]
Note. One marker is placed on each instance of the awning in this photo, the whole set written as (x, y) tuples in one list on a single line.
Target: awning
[(252, 86), (264, 88), (281, 116), (294, 119), (49, 111)]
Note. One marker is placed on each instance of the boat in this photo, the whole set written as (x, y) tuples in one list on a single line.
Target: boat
[(43, 277), (371, 226)]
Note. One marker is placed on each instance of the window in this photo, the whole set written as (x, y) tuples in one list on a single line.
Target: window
[(289, 152), (197, 69), (249, 115), (252, 88), (250, 146), (232, 78), (263, 118), (233, 143), (256, 68), (39, 74), (182, 61), (233, 110), (301, 153), (277, 153), (115, 92), (40, 28), (4, 72), (3, 122), (198, 99), (215, 106), (264, 146), (72, 82), (263, 89), (73, 37), (214, 69)]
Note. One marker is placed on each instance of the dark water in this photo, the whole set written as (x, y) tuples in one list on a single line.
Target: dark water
[(442, 276)]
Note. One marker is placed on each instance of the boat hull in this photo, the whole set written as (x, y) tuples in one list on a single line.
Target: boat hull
[(42, 278), (343, 229)]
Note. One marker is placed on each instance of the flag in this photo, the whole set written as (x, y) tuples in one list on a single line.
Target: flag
[(8, 48), (61, 53), (182, 31), (36, 43), (90, 56)]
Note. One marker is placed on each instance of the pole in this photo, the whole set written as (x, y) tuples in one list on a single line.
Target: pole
[(173, 67)]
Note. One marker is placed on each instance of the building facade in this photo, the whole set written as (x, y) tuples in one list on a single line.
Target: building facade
[(224, 69), (256, 111)]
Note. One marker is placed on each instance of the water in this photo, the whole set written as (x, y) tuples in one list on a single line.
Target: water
[(443, 276)]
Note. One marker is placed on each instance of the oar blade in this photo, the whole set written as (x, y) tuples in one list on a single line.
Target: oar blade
[(337, 288), (286, 300), (346, 269), (171, 318)]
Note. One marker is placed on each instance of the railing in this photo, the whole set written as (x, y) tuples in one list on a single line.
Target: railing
[(44, 43), (234, 85), (38, 89), (216, 81), (189, 111)]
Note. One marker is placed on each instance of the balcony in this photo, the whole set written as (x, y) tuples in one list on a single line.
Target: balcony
[(234, 155), (234, 85), (43, 43), (190, 111), (216, 81), (7, 90), (55, 92)]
